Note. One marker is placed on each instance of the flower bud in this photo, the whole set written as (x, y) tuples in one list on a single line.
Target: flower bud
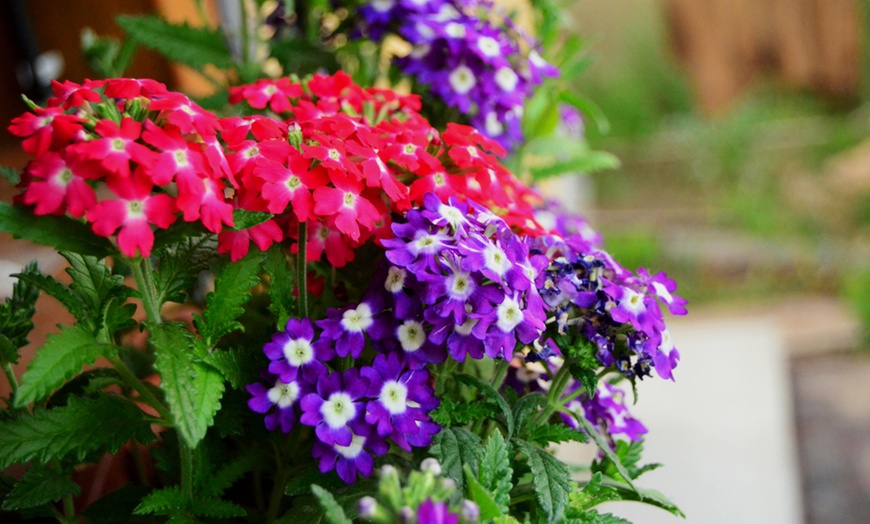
[(469, 512), (431, 465), (407, 515), (367, 507)]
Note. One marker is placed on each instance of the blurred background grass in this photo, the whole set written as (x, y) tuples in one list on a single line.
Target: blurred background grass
[(765, 197)]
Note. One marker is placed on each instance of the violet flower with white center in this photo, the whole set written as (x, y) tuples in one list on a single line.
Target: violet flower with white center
[(510, 321), (665, 356), (348, 327), (432, 512), (402, 397), (453, 213), (357, 456), (413, 340), (638, 309), (417, 243), (606, 410), (663, 287), (277, 400), (337, 402), (293, 351)]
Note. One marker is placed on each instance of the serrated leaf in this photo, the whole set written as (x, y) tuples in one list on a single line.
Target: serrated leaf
[(496, 471), (216, 508), (179, 267), (232, 287), (40, 485), (551, 479), (647, 496), (332, 510), (62, 356), (526, 408), (194, 47), (10, 174), (193, 390), (455, 447), (546, 434), (57, 290), (94, 282), (505, 519), (162, 502), (16, 316), (588, 162), (450, 413), (603, 445), (61, 233), (592, 494), (281, 285), (481, 496), (244, 219), (85, 425), (227, 475), (493, 395), (117, 506), (238, 366)]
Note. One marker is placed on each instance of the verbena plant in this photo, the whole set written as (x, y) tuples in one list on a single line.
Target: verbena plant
[(389, 325)]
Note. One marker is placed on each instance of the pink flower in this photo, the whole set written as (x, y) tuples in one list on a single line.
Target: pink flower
[(134, 212), (57, 187), (117, 147), (346, 206), (175, 154), (237, 243)]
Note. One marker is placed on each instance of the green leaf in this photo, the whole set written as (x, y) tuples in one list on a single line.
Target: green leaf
[(526, 408), (492, 394), (116, 507), (61, 233), (163, 501), (232, 288), (40, 485), (244, 219), (332, 510), (10, 174), (647, 496), (16, 315), (551, 479), (496, 471), (592, 494), (629, 455), (586, 162), (62, 356), (450, 413), (239, 366), (228, 474), (281, 285), (57, 290), (179, 265), (193, 390), (93, 281), (505, 519), (194, 47), (103, 423), (481, 496), (604, 446), (454, 448), (546, 434), (203, 506)]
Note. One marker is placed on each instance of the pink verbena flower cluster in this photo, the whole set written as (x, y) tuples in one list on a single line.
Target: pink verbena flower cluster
[(343, 159), (125, 155)]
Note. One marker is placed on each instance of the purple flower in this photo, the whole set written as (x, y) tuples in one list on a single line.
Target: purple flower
[(337, 402), (294, 350), (277, 400), (401, 398), (432, 512), (348, 327), (606, 410), (357, 456)]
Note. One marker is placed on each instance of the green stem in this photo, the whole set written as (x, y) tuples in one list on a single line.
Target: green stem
[(148, 291), (145, 394), (245, 36), (69, 509), (10, 376), (302, 270), (501, 369), (186, 468)]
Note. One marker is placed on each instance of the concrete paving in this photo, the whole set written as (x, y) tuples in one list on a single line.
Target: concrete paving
[(723, 430)]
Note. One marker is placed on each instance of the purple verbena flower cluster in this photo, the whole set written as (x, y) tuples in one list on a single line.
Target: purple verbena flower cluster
[(469, 54), (606, 410), (585, 289)]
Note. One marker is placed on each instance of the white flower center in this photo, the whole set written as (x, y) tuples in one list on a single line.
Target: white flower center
[(425, 31), (394, 396), (493, 126), (411, 335), (667, 344), (455, 30), (135, 209), (298, 352), (452, 215), (496, 259), (357, 320), (283, 394), (64, 177), (293, 182), (353, 450), (509, 315), (506, 79), (489, 46), (338, 410), (466, 327), (334, 154), (395, 279), (633, 302), (462, 79), (382, 6), (181, 158), (425, 243), (460, 285)]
